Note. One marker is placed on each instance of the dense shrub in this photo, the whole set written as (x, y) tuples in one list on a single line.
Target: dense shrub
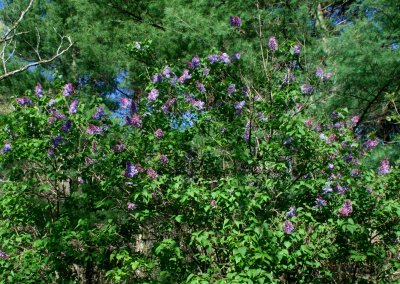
[(209, 178)]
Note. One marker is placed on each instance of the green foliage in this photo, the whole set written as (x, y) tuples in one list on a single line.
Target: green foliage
[(219, 209)]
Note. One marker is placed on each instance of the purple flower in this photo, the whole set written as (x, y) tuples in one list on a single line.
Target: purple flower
[(56, 141), (137, 45), (338, 125), (288, 227), (289, 77), (135, 120), (24, 101), (245, 91), (57, 114), (327, 76), (370, 144), (354, 120), (235, 57), (292, 212), (68, 89), (163, 159), (73, 107), (93, 129), (151, 173), (239, 106), (80, 180), (185, 76), (131, 170), (125, 102), (3, 255), (319, 73), (196, 103), (341, 189), (231, 89), (67, 126), (235, 21), (272, 43), (308, 123), (200, 87), (51, 120), (224, 58), (165, 107), (206, 71), (327, 188), (39, 90), (213, 58), (159, 133), (50, 152), (385, 167), (6, 148), (347, 208), (173, 81), (99, 114), (348, 158), (306, 89), (157, 78), (355, 172), (89, 161), (131, 206), (152, 96), (51, 102), (331, 166), (167, 72), (297, 49), (118, 148), (195, 62), (320, 202), (213, 203)]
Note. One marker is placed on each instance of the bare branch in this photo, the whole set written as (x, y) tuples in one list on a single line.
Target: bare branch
[(60, 50), (16, 24), (10, 38)]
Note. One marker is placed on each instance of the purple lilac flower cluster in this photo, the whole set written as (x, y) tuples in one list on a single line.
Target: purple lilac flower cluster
[(134, 120), (152, 174), (231, 89), (346, 209), (94, 129), (235, 21), (157, 78), (292, 212), (165, 107), (153, 95), (131, 206), (199, 104), (384, 167), (39, 90), (67, 126), (288, 227), (200, 87), (73, 107), (68, 89), (322, 75), (195, 62), (24, 101), (118, 148), (100, 114), (130, 171), (159, 133), (297, 49), (6, 147), (273, 44), (163, 159), (306, 89)]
